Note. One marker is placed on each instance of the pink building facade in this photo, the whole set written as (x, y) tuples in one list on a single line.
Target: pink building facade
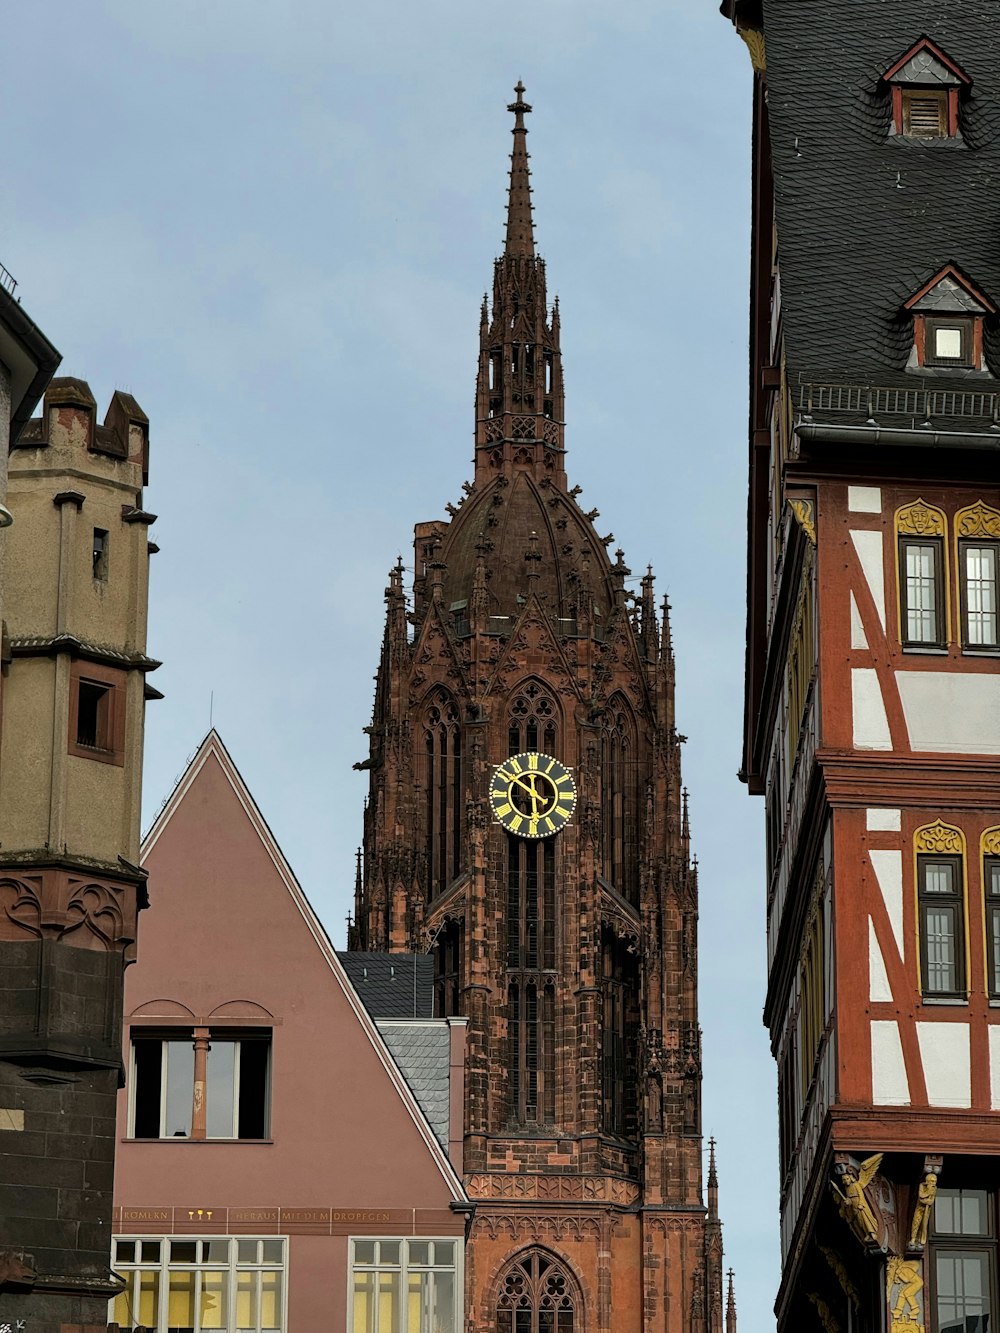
[(275, 1172)]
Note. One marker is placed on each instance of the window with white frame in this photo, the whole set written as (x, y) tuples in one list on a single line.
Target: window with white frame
[(978, 562), (405, 1286), (236, 1087), (188, 1284)]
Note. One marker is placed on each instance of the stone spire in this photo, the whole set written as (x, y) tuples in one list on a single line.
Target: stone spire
[(713, 1179), (520, 231), (519, 387), (731, 1306)]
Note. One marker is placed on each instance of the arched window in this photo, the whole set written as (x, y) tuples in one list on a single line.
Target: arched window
[(532, 721), (538, 1295), (443, 791), (621, 801), (531, 932), (448, 970)]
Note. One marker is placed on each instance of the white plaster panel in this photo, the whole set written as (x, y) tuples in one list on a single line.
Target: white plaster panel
[(884, 821), (944, 1050), (995, 1067), (878, 979), (950, 712), (859, 639), (869, 548), (864, 499), (889, 1082), (871, 726), (888, 867)]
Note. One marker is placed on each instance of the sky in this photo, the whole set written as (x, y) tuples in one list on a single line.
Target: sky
[(273, 223)]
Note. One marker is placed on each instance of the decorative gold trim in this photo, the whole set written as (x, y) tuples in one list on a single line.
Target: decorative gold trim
[(939, 840), (978, 520), (805, 516), (754, 39), (989, 843), (920, 519)]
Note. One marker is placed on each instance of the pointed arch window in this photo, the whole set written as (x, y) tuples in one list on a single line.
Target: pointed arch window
[(442, 792), (532, 721), (538, 1295), (621, 800)]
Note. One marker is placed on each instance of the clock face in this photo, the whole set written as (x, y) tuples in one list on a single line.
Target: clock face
[(532, 795)]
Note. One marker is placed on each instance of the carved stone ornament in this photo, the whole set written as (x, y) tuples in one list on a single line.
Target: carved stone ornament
[(904, 1293), (920, 519), (979, 520), (991, 842), (805, 516), (939, 839)]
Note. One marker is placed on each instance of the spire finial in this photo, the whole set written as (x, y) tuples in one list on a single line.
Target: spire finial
[(731, 1306), (520, 231)]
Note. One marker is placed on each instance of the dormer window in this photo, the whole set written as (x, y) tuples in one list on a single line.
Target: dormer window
[(926, 85), (948, 314), (949, 342)]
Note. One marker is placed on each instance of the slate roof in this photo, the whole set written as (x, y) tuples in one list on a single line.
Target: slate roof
[(422, 1050), (392, 985), (865, 218)]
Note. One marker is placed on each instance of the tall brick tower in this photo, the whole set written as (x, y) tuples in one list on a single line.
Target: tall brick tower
[(873, 653), (74, 670), (526, 822)]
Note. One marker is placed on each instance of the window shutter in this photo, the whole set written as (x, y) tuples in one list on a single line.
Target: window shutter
[(926, 115)]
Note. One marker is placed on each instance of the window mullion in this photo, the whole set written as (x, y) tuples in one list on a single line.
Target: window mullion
[(164, 1072)]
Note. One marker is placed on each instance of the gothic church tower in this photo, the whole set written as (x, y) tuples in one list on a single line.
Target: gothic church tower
[(523, 673)]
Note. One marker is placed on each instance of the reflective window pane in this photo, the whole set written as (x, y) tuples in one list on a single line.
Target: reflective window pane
[(214, 1299), (981, 595), (180, 1089), (921, 593), (220, 1093), (963, 1292)]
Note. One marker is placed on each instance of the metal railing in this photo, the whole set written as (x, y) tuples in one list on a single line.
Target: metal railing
[(7, 280), (918, 403)]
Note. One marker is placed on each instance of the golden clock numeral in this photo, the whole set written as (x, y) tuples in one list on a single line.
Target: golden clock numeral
[(550, 766), (516, 766), (516, 823), (532, 761), (560, 813), (533, 828), (549, 826), (503, 810), (499, 793), (565, 778), (504, 777)]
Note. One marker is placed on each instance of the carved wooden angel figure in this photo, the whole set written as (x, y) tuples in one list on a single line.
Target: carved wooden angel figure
[(926, 1194), (852, 1200)]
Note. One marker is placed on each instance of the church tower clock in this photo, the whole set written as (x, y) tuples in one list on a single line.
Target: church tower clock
[(526, 823)]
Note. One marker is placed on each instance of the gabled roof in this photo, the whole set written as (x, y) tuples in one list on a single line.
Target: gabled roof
[(924, 63), (212, 749), (950, 291)]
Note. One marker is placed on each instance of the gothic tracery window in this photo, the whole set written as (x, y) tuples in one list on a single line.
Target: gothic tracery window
[(621, 801), (532, 723), (443, 791), (531, 933), (537, 1295)]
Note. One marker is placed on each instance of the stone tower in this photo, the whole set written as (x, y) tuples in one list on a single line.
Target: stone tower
[(74, 669), (566, 934)]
